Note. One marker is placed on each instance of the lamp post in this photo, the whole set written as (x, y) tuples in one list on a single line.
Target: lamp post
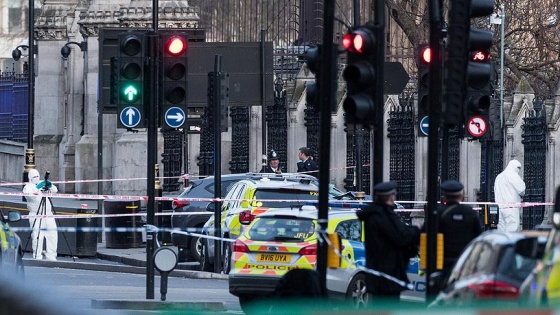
[(29, 151), (65, 52), (16, 54)]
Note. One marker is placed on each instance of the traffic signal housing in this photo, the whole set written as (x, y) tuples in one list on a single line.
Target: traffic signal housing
[(424, 59), (479, 73), (313, 61), (130, 78), (174, 75), (360, 75)]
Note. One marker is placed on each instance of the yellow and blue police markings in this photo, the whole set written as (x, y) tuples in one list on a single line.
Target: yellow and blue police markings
[(418, 280), (355, 253), (8, 239)]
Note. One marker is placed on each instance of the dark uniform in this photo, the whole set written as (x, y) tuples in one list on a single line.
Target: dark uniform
[(459, 224), (308, 166), (272, 155), (389, 244)]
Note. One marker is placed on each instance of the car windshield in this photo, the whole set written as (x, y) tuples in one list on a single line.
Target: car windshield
[(514, 266), (281, 229), (285, 197)]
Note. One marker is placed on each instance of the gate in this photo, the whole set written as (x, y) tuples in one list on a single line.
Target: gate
[(402, 143), (277, 124), (13, 106), (534, 163)]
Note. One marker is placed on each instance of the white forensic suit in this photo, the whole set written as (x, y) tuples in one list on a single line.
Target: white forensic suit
[(508, 189), (42, 228)]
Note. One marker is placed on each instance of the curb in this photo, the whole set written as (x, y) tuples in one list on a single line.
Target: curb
[(133, 266), (158, 306)]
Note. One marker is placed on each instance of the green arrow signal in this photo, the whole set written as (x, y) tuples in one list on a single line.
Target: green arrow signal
[(130, 93)]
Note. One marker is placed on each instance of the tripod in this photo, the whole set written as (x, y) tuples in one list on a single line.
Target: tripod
[(49, 224)]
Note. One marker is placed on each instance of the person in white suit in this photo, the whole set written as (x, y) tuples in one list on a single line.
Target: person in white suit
[(509, 187), (42, 228)]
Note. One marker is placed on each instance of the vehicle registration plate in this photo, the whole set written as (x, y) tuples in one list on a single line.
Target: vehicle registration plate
[(272, 258)]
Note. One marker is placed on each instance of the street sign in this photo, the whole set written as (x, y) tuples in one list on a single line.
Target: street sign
[(130, 117), (425, 125), (477, 126), (396, 78), (175, 117)]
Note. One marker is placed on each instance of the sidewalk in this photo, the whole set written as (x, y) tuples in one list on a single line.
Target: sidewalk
[(127, 260), (132, 260)]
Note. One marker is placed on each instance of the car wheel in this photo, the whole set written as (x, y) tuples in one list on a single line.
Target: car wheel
[(196, 248), (205, 264), (357, 292), (182, 254), (226, 254)]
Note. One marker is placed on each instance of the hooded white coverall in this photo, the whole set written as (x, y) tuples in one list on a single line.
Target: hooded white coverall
[(41, 228), (508, 189)]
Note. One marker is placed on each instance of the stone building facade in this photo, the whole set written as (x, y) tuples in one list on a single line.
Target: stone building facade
[(67, 120)]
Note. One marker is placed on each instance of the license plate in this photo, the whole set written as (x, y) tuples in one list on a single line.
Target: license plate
[(272, 258)]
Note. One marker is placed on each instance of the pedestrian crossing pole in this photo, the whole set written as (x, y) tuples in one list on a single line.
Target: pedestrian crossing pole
[(434, 112), (151, 109), (327, 96)]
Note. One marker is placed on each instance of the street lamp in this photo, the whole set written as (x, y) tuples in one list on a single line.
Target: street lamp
[(29, 152), (65, 50), (16, 54)]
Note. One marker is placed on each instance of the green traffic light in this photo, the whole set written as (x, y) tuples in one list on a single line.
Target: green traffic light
[(130, 93)]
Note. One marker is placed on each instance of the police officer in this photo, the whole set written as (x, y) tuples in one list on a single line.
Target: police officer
[(306, 164), (389, 243), (273, 165), (459, 223)]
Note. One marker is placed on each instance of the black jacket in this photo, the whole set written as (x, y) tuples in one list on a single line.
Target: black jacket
[(389, 245), (268, 169), (309, 166), (459, 224)]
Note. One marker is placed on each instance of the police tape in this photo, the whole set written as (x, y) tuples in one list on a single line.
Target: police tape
[(93, 216), (324, 238), (334, 203)]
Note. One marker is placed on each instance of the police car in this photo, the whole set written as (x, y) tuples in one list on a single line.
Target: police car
[(258, 195), (284, 239), (11, 262)]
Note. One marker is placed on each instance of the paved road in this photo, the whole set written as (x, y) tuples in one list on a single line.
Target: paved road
[(75, 289)]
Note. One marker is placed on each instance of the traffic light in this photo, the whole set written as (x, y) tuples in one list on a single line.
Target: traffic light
[(359, 75), (424, 59), (174, 72), (479, 72), (130, 78), (313, 60)]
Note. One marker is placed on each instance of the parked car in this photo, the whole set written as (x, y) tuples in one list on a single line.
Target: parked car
[(11, 258), (189, 247), (259, 194), (489, 270), (542, 286)]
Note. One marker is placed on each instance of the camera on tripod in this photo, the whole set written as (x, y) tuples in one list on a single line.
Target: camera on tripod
[(47, 182)]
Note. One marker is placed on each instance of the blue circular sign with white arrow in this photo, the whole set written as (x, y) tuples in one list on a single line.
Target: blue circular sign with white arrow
[(175, 117), (130, 116), (425, 125)]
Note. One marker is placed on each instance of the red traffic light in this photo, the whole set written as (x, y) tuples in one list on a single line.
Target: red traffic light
[(426, 55), (175, 46), (480, 56), (359, 41)]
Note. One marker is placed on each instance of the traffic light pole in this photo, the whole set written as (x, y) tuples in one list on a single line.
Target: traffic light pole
[(217, 130), (434, 99), (327, 94), (378, 136), (151, 117), (151, 107)]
